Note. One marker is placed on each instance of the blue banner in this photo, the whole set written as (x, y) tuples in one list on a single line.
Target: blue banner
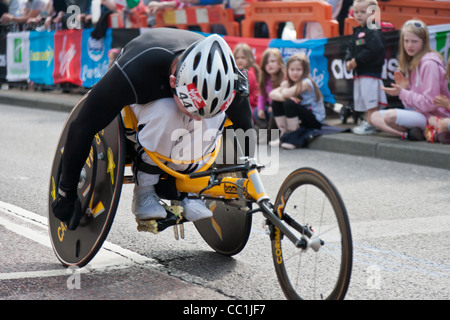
[(315, 51), (94, 57), (42, 57)]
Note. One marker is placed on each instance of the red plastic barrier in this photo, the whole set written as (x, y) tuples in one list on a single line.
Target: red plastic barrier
[(398, 12), (299, 13), (202, 16)]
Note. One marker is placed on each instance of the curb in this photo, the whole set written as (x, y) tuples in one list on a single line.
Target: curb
[(386, 148)]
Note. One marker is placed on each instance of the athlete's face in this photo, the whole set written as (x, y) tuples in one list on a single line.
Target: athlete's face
[(173, 85)]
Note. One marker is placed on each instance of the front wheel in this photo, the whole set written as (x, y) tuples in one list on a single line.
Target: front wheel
[(313, 210)]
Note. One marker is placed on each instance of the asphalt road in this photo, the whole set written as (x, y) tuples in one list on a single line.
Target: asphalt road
[(399, 215)]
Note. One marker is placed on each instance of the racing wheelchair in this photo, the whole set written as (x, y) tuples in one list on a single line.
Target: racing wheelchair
[(307, 223)]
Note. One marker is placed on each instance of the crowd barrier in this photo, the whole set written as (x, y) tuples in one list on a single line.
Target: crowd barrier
[(203, 17), (398, 12), (73, 56), (272, 13)]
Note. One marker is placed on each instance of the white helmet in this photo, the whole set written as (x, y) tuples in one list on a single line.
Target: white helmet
[(206, 74)]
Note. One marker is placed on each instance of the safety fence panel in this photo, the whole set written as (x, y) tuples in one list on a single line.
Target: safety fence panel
[(272, 13), (204, 17)]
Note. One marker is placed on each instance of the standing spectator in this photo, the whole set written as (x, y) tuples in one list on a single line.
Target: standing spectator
[(3, 7), (424, 81), (17, 7), (365, 56), (272, 73), (33, 9), (246, 60)]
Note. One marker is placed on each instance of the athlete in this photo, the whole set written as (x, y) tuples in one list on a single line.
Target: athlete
[(160, 63)]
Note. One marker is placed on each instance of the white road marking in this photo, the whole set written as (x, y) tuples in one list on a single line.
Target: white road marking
[(110, 256)]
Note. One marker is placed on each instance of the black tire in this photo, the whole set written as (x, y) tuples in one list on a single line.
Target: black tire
[(229, 229), (309, 198), (99, 189)]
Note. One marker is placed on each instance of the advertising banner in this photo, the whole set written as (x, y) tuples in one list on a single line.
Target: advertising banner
[(68, 57), (18, 56), (42, 57), (440, 39), (94, 57)]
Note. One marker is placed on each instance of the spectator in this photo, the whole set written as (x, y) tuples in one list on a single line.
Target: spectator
[(246, 60), (63, 18), (424, 81), (272, 73), (438, 129), (154, 6), (365, 56), (17, 7), (3, 7), (301, 98), (33, 9)]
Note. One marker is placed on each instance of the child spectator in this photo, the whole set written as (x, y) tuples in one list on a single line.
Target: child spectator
[(365, 56), (245, 60), (424, 81), (301, 97), (272, 73), (438, 129)]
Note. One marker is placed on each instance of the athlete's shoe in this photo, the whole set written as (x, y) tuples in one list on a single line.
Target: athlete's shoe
[(195, 209), (146, 206)]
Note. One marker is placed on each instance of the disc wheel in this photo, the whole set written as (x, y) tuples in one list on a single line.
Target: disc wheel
[(99, 191), (312, 209)]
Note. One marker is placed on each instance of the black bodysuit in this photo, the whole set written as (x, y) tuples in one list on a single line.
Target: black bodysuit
[(139, 75)]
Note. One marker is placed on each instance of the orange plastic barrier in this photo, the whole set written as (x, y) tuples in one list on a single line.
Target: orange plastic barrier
[(202, 16), (299, 13), (398, 12)]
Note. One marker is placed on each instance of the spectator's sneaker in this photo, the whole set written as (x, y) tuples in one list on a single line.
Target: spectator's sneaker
[(146, 206), (195, 209), (364, 128)]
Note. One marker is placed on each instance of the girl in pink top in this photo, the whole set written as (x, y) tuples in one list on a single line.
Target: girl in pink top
[(421, 79), (272, 73), (246, 60)]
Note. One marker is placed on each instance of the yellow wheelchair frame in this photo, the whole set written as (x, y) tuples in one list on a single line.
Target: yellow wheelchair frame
[(199, 181)]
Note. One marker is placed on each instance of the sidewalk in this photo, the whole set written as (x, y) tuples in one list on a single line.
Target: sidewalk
[(380, 146)]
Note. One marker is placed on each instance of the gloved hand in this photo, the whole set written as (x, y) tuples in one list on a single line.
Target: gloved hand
[(67, 208)]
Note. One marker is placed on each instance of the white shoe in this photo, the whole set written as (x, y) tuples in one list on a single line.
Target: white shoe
[(364, 128), (274, 143), (146, 206), (288, 146), (195, 209)]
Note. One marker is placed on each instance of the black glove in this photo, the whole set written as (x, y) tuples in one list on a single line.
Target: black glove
[(67, 208)]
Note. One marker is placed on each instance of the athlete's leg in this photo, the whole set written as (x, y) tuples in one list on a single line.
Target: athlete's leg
[(103, 103)]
